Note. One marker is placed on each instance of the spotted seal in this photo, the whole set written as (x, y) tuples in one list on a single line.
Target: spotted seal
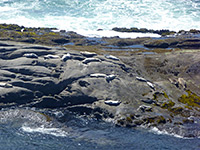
[(49, 56), (112, 103), (66, 57), (112, 57), (88, 60), (98, 75), (88, 54), (30, 55)]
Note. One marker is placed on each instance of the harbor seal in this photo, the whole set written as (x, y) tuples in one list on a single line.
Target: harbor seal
[(30, 55), (5, 85), (112, 103), (49, 56), (88, 54), (88, 60), (66, 57), (182, 83), (144, 108), (110, 77), (112, 57), (98, 75), (151, 85), (141, 79)]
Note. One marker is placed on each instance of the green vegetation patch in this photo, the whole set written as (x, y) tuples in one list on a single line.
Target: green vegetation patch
[(158, 95), (10, 27), (167, 105), (191, 99)]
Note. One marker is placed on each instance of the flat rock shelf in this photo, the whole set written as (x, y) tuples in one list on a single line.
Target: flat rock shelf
[(129, 89)]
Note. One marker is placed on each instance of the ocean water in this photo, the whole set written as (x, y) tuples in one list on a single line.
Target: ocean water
[(87, 16), (21, 129)]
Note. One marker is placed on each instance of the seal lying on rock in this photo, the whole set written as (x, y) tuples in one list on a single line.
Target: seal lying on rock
[(182, 83), (110, 77), (66, 57), (49, 56), (98, 75), (5, 85), (88, 54), (112, 103), (112, 57), (144, 108), (141, 79), (88, 60), (151, 85), (30, 55), (173, 81)]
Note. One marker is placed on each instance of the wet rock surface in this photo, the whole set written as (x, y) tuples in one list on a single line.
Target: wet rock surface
[(130, 89)]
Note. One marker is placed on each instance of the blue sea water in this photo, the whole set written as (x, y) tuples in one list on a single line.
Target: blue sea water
[(30, 132), (86, 16)]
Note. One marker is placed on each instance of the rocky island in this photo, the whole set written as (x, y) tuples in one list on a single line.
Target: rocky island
[(143, 82)]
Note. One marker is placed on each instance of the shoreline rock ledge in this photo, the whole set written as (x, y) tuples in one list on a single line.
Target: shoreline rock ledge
[(131, 91)]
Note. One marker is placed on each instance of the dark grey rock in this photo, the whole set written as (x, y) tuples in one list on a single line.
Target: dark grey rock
[(148, 101), (39, 71), (16, 95)]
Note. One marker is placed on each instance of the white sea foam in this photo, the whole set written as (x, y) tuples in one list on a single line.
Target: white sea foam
[(164, 132), (45, 130), (110, 33), (86, 16)]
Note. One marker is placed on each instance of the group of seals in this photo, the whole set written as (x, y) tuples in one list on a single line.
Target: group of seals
[(150, 84)]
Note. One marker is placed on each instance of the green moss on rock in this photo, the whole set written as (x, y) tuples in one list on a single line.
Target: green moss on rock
[(176, 110), (149, 120), (48, 118), (191, 99), (10, 27), (165, 95), (167, 105), (129, 119), (161, 120), (160, 95), (188, 121)]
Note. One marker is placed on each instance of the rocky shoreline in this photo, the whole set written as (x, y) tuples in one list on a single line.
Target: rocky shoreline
[(142, 82)]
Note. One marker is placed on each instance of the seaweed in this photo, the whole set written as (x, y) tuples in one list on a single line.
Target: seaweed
[(48, 118)]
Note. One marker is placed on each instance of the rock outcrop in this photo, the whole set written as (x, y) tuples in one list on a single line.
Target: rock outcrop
[(135, 90)]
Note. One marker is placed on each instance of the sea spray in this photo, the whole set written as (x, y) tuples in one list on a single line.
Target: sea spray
[(87, 16)]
